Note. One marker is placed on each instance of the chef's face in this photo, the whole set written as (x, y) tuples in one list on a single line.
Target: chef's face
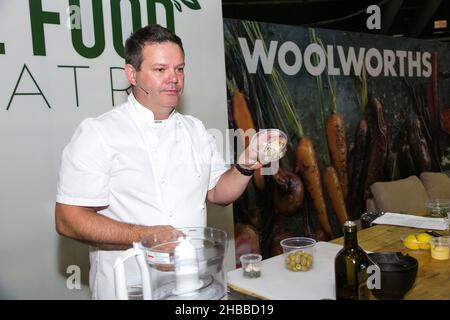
[(161, 75)]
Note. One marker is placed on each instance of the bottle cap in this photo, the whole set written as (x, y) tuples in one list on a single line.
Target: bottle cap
[(349, 224)]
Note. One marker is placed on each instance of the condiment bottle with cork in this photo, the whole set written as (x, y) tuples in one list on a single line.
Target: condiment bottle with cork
[(350, 267)]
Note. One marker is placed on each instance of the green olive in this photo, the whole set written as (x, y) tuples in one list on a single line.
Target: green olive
[(303, 261), (298, 261)]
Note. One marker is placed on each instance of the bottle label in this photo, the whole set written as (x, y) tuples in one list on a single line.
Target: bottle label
[(157, 257)]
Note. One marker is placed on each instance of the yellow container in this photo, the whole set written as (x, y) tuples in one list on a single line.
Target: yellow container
[(440, 248)]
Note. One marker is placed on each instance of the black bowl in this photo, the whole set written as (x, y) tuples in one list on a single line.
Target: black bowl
[(397, 276)]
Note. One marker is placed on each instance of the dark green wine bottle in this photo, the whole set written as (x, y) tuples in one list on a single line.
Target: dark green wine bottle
[(350, 267)]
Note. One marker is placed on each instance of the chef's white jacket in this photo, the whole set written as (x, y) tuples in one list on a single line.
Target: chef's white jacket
[(145, 172)]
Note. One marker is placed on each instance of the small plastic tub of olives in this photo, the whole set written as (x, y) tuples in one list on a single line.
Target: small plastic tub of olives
[(298, 253), (251, 265)]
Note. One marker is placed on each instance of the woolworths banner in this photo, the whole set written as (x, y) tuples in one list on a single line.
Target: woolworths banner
[(62, 61), (357, 109)]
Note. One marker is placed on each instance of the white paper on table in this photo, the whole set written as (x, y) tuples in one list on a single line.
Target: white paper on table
[(278, 283), (407, 220)]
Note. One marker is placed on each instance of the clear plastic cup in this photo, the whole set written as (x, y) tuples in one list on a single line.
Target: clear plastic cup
[(251, 265), (440, 248), (298, 253), (269, 144)]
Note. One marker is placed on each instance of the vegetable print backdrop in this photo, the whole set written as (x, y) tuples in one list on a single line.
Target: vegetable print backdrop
[(357, 109)]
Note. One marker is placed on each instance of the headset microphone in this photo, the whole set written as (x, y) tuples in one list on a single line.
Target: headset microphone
[(146, 92)]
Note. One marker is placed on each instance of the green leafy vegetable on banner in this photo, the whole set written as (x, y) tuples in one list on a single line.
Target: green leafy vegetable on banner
[(177, 5), (191, 4)]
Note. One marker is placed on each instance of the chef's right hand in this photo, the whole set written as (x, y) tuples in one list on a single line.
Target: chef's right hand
[(158, 234), (166, 238)]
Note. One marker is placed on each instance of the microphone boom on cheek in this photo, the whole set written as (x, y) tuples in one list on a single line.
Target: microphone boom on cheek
[(146, 92)]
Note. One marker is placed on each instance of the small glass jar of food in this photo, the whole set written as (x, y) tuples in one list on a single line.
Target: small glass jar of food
[(438, 208), (251, 265)]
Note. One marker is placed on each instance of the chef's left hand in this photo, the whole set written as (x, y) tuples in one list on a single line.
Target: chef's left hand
[(249, 158)]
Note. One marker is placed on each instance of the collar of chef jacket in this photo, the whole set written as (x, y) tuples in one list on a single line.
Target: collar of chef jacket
[(147, 117)]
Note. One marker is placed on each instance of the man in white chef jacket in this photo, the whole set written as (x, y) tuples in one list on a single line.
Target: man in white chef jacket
[(142, 167)]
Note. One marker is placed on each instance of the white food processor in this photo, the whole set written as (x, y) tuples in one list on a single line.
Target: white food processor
[(184, 264)]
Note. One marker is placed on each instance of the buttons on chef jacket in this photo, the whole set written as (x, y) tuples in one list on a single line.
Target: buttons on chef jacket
[(162, 181), (171, 213)]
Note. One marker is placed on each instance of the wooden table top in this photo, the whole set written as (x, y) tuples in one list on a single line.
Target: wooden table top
[(433, 276)]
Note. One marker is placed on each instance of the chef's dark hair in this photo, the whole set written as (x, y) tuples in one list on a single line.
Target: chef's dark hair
[(147, 35)]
